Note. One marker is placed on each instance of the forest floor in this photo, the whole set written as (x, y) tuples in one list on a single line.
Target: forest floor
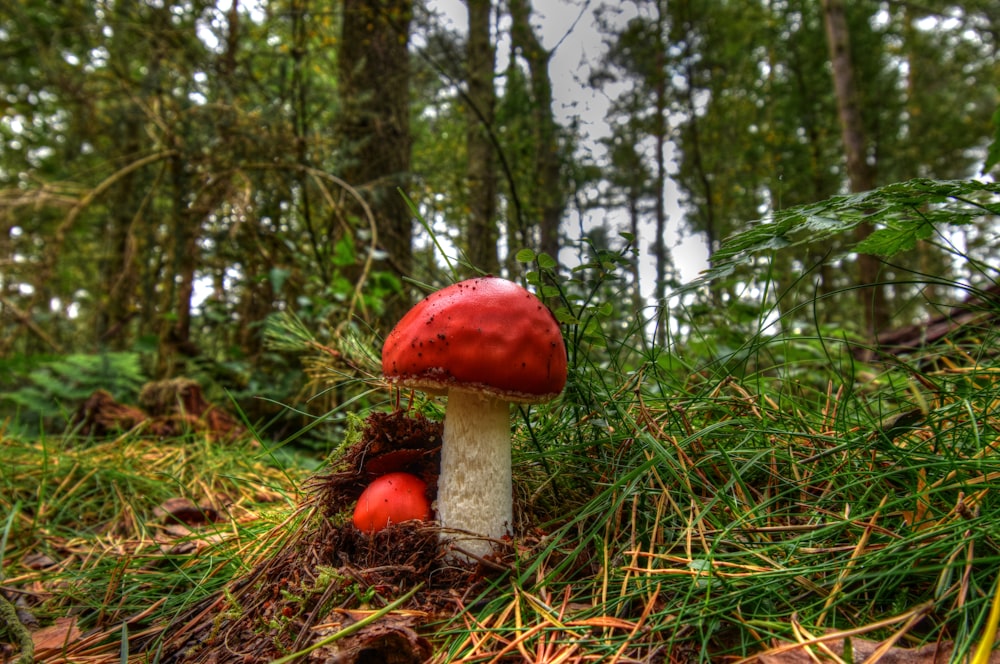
[(740, 525)]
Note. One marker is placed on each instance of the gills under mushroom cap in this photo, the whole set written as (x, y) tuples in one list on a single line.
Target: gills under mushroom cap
[(485, 334)]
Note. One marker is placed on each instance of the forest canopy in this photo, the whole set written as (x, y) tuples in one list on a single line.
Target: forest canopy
[(186, 185)]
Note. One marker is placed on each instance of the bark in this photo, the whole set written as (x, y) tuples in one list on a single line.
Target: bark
[(548, 196), (183, 257), (374, 129), (700, 170), (860, 173), (299, 97), (659, 189), (119, 265), (483, 231), (634, 220)]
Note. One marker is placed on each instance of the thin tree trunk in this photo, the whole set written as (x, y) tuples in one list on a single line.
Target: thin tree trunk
[(860, 173), (299, 97), (548, 199), (175, 329), (483, 231), (118, 266), (707, 208), (929, 259), (659, 188), (707, 211)]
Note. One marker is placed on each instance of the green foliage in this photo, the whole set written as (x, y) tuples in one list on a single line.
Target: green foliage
[(165, 175), (692, 484), (707, 503), (674, 486), (106, 496), (752, 114), (589, 299), (993, 157), (902, 214), (54, 387)]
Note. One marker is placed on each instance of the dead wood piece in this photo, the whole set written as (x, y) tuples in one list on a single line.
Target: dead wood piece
[(100, 415), (391, 640), (975, 313), (178, 407)]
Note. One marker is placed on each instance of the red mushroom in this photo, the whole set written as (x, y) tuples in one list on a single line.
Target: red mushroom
[(391, 498), (484, 342)]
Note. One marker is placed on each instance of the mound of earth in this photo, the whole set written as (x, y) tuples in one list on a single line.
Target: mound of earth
[(327, 578)]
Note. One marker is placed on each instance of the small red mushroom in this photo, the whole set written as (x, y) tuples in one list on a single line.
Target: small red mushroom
[(391, 498)]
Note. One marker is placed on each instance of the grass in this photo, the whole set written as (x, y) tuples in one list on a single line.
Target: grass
[(698, 516), (84, 541), (678, 510)]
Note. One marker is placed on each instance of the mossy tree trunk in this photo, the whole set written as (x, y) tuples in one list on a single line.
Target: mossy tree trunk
[(374, 126)]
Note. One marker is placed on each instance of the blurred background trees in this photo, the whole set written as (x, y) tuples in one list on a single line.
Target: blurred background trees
[(175, 175)]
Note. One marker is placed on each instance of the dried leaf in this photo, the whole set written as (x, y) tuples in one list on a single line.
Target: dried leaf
[(38, 561), (56, 636), (183, 510)]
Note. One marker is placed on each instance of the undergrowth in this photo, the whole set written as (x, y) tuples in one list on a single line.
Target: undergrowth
[(729, 519), (48, 388)]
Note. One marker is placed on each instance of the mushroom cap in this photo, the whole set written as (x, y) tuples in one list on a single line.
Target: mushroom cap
[(391, 498), (485, 335)]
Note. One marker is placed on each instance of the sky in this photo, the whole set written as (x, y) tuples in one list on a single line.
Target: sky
[(568, 27)]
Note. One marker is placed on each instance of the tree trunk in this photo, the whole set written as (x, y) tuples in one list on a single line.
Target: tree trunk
[(860, 173), (374, 129), (659, 187), (548, 198), (175, 309), (118, 265), (482, 230), (299, 98)]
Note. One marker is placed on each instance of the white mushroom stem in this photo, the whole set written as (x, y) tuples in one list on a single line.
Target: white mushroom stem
[(474, 488)]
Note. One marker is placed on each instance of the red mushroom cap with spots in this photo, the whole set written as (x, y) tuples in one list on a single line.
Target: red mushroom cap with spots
[(486, 334)]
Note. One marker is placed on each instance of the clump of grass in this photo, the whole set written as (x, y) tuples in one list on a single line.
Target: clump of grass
[(690, 513), (84, 537)]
